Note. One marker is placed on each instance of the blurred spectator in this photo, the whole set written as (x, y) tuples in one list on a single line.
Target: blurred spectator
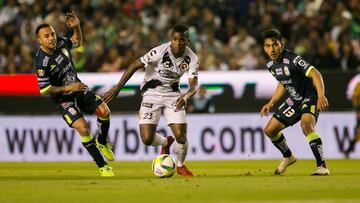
[(201, 102), (112, 62), (218, 28), (348, 60)]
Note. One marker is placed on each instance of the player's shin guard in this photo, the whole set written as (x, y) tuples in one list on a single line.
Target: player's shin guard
[(159, 140), (280, 143), (316, 147), (103, 129), (181, 151), (89, 144)]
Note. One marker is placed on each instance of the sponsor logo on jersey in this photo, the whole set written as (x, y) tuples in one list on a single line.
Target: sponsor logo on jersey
[(312, 108), (295, 59), (303, 63), (41, 72), (269, 64), (59, 59), (289, 102), (148, 105), (184, 66), (42, 79), (72, 111), (279, 71), (66, 104), (286, 61), (286, 82), (45, 61), (168, 74), (286, 71)]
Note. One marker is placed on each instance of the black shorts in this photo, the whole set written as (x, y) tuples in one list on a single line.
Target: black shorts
[(290, 112), (73, 109)]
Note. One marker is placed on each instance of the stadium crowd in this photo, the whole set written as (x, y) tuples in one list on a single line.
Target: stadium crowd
[(226, 34)]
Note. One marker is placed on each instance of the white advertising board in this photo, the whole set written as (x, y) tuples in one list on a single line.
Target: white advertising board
[(210, 136)]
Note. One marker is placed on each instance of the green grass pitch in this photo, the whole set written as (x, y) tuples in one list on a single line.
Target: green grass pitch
[(216, 181)]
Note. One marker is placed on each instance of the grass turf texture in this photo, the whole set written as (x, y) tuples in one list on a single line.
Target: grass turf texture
[(216, 181)]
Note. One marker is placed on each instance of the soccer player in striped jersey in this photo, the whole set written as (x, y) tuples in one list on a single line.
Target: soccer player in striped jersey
[(164, 65)]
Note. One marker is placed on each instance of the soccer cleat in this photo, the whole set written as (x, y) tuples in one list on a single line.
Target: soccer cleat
[(285, 162), (321, 171), (106, 150), (166, 149), (106, 171), (184, 171)]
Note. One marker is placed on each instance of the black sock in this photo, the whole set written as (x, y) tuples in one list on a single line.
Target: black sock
[(280, 144), (103, 130), (95, 153), (317, 149)]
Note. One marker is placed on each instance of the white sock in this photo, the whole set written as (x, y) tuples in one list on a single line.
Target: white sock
[(159, 140), (181, 151)]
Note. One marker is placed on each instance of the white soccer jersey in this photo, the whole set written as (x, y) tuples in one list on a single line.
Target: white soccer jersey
[(164, 70)]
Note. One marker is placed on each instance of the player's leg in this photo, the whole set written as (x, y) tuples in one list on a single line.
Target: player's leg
[(181, 148), (356, 136), (74, 119), (177, 122), (308, 122), (287, 114), (273, 131), (150, 112), (91, 103), (88, 142), (103, 122)]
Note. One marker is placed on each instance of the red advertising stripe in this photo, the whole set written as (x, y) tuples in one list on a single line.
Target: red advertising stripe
[(19, 84)]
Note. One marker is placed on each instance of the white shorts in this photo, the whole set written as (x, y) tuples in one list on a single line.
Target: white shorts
[(151, 107)]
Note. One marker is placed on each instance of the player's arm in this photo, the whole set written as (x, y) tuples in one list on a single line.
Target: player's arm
[(322, 102), (113, 92), (72, 22), (279, 92), (182, 100), (53, 90)]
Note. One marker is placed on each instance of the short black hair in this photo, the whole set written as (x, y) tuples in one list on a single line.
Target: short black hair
[(272, 33), (41, 26), (181, 28)]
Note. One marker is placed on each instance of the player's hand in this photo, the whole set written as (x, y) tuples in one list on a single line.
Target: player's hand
[(111, 94), (72, 20), (180, 103), (322, 103), (76, 87), (266, 109)]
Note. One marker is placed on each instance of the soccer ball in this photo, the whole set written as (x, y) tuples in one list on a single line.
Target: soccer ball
[(163, 166)]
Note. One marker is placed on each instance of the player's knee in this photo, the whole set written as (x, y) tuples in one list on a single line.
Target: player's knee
[(270, 132), (147, 139), (181, 139), (306, 127), (103, 111), (83, 129)]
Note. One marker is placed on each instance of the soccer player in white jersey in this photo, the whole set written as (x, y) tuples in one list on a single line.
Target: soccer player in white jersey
[(164, 65)]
